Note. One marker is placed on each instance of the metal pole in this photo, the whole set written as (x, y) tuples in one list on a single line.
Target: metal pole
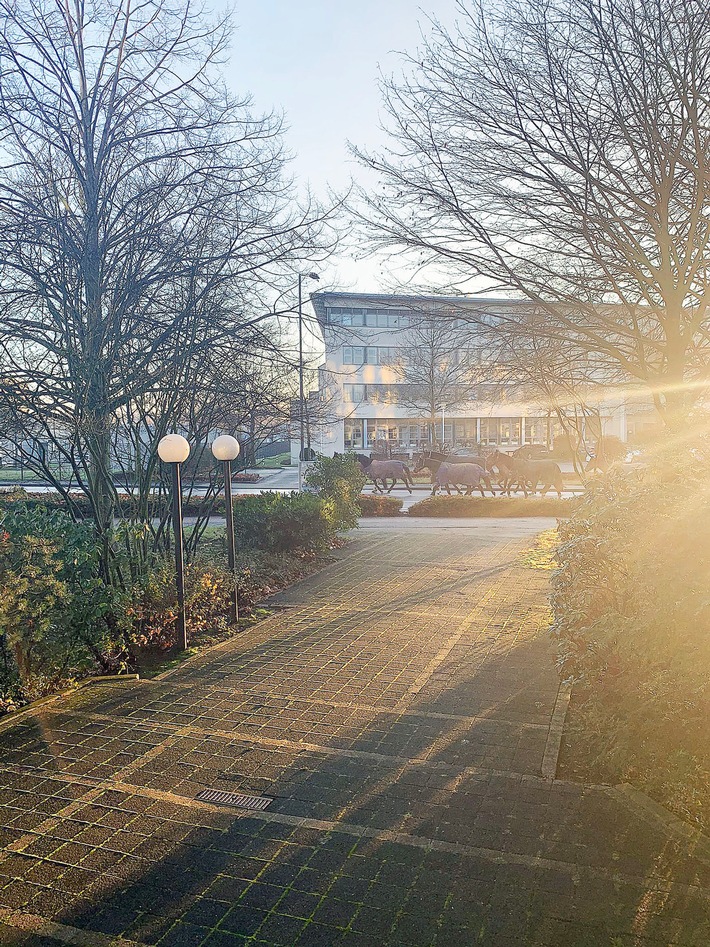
[(231, 555), (300, 381), (179, 560)]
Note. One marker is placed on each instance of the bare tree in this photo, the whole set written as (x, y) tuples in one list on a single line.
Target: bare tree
[(555, 377), (143, 212), (559, 149), (437, 369)]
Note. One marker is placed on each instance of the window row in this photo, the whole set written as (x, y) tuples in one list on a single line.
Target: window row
[(464, 432), (374, 318), (375, 394), (369, 354), (392, 394)]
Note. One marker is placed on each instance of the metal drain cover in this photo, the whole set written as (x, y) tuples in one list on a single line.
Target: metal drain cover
[(233, 799)]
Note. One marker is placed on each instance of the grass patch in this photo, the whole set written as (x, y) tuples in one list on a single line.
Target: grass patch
[(278, 460), (542, 554)]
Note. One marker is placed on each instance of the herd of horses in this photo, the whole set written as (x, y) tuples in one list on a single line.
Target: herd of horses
[(510, 472)]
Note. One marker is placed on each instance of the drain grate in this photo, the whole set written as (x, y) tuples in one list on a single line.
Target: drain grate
[(233, 799)]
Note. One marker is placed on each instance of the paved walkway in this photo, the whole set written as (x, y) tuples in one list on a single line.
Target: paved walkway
[(397, 710)]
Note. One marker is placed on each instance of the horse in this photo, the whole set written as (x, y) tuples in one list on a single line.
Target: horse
[(445, 458), (527, 474), (445, 474), (383, 469)]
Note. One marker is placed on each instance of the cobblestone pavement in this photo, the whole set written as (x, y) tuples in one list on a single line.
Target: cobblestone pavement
[(396, 710)]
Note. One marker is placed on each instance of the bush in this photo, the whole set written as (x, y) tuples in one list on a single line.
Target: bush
[(152, 609), (632, 624), (339, 481), (372, 505), (493, 506), (296, 523), (55, 611)]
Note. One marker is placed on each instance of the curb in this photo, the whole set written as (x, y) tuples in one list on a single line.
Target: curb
[(554, 735)]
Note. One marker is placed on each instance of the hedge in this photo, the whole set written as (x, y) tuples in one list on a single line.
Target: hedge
[(194, 506), (371, 505), (632, 626), (494, 506)]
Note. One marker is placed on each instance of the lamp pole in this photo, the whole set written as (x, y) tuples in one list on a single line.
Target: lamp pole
[(301, 385), (226, 449), (300, 378), (173, 449)]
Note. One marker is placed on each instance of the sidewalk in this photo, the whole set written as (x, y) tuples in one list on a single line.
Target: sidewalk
[(397, 709)]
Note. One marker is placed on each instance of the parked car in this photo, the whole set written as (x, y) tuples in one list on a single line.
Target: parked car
[(532, 452)]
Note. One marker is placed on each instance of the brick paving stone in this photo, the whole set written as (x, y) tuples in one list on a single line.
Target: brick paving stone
[(396, 711)]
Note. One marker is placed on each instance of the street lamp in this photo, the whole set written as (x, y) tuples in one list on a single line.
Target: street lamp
[(173, 449), (226, 449), (314, 276)]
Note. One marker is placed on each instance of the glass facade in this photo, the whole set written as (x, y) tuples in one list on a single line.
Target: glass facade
[(373, 318), (413, 433)]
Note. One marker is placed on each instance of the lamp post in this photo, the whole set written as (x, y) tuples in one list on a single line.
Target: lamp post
[(226, 449), (173, 449), (301, 400)]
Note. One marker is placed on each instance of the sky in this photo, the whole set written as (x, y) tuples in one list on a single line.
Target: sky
[(318, 62)]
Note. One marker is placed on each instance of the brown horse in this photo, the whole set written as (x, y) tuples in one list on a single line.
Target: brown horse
[(527, 474)]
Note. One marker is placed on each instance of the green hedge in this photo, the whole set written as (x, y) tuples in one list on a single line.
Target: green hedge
[(285, 523), (371, 505), (632, 625), (493, 506)]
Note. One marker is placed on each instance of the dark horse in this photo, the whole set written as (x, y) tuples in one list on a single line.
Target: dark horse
[(477, 459), (527, 474)]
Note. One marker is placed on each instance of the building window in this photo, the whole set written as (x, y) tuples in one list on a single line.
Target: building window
[(370, 355), (353, 392), (489, 430), (385, 394), (509, 430), (373, 318), (536, 430), (353, 434), (353, 355)]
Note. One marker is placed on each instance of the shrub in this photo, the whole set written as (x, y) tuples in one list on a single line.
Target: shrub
[(152, 610), (297, 523), (372, 505), (55, 610), (493, 506), (339, 480), (632, 624), (152, 603)]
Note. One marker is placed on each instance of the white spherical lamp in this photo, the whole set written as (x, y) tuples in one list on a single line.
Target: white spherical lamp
[(173, 449), (225, 447)]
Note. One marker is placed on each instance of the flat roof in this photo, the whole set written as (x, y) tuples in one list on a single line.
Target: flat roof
[(324, 299)]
